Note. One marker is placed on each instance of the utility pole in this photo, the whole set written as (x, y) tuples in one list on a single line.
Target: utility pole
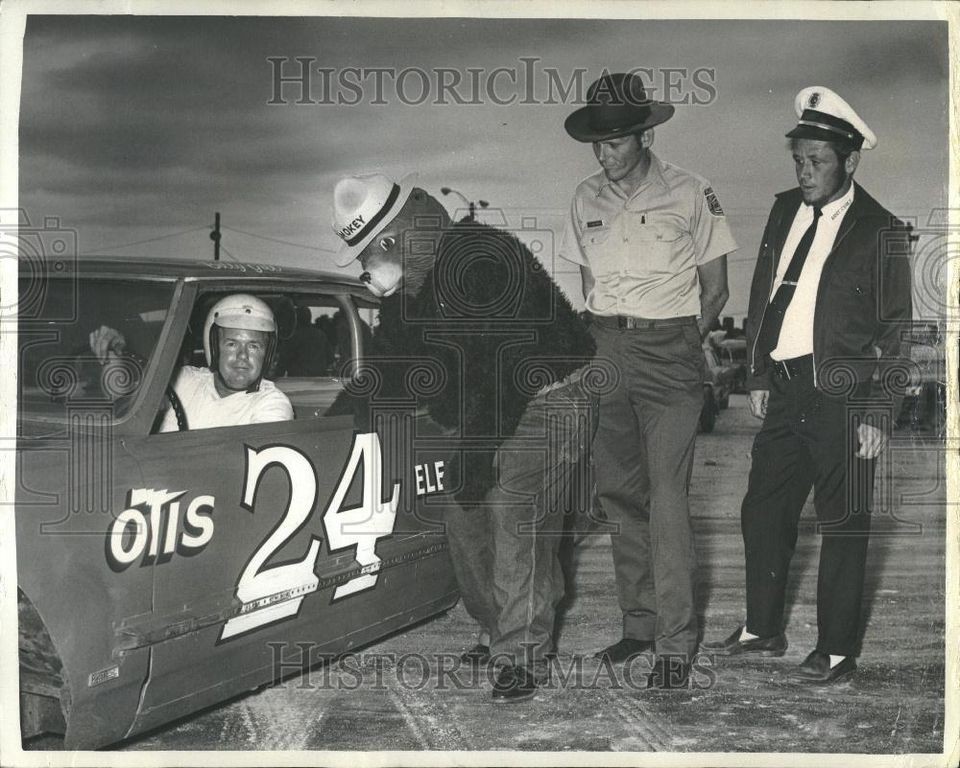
[(215, 236)]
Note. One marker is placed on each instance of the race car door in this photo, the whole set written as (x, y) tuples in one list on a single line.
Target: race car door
[(279, 545), (267, 543), (234, 535)]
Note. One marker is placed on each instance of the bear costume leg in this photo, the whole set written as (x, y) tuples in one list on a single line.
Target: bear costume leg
[(470, 541), (527, 507)]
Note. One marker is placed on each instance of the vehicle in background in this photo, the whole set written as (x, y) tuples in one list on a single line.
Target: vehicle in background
[(733, 353), (925, 401), (717, 385)]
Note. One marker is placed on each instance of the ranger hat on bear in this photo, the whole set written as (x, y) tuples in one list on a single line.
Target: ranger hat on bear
[(364, 205), (617, 105), (824, 116)]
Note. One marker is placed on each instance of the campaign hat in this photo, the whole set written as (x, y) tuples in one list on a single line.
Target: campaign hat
[(363, 206), (617, 105)]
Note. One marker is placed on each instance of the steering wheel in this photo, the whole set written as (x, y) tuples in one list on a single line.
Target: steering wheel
[(170, 393), (174, 399)]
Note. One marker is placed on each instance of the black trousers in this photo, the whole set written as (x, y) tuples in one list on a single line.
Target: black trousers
[(807, 440)]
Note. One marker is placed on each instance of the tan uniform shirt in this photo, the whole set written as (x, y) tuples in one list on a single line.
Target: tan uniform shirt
[(644, 250)]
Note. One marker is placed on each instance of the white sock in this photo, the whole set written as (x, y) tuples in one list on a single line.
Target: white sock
[(744, 635), (834, 660)]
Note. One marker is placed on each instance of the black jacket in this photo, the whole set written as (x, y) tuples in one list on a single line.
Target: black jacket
[(864, 304), (486, 330)]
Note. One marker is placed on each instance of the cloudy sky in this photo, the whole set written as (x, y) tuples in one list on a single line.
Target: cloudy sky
[(140, 128)]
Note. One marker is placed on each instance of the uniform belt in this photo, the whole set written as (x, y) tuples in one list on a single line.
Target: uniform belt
[(624, 322), (795, 366)]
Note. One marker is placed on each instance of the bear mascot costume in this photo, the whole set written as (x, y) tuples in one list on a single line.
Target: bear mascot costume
[(510, 357)]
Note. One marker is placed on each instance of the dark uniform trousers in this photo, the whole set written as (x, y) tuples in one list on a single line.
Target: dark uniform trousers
[(643, 457), (808, 439)]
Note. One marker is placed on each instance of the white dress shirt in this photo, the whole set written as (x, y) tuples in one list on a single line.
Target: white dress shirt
[(796, 333)]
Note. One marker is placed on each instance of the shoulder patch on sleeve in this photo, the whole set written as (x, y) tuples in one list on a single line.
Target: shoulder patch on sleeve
[(712, 202)]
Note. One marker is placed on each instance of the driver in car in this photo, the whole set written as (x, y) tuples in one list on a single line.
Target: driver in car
[(239, 341)]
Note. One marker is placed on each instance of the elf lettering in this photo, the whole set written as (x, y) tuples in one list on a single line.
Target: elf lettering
[(429, 478)]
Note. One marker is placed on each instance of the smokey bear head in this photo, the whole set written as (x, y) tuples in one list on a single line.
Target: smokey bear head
[(402, 254), (394, 232)]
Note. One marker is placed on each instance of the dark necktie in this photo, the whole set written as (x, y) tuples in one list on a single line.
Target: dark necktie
[(769, 334)]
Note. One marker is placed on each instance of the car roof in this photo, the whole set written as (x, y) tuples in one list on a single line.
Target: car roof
[(192, 270)]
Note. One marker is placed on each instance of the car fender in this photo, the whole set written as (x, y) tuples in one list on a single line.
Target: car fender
[(62, 571), (103, 685)]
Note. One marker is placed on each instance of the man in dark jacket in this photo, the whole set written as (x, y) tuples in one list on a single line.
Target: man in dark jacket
[(829, 301)]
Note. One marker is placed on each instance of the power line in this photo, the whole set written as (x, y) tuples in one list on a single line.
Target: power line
[(278, 240), (227, 252), (150, 239)]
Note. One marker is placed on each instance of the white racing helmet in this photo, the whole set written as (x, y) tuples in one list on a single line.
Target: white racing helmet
[(239, 310)]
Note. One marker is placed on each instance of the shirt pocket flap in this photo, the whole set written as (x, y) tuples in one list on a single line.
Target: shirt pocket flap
[(596, 236), (655, 233)]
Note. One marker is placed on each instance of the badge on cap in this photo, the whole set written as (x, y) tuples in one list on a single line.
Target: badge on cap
[(712, 202), (825, 116)]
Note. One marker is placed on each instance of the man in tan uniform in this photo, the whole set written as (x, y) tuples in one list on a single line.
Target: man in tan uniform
[(651, 240)]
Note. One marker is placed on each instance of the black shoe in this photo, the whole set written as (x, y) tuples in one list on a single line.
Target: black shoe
[(514, 684), (478, 656), (625, 649), (816, 669), (760, 646), (669, 673)]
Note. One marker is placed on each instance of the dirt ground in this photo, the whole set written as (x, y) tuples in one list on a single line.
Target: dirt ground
[(395, 695)]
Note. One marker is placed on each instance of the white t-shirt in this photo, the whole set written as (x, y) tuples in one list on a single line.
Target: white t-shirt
[(206, 409)]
